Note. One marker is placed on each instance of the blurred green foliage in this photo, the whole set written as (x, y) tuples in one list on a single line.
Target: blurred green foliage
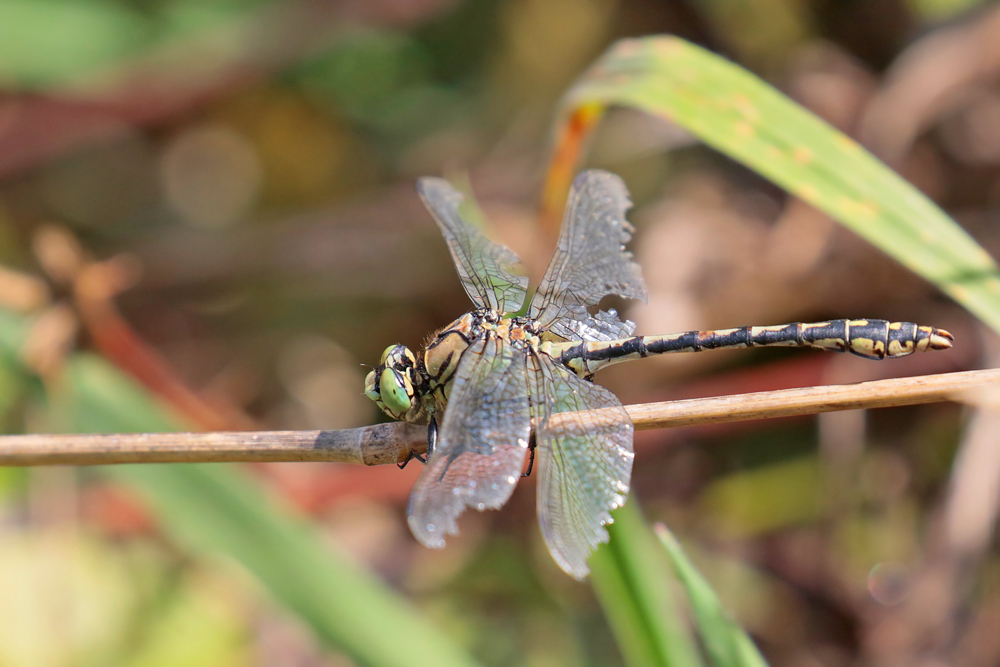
[(52, 42), (725, 642)]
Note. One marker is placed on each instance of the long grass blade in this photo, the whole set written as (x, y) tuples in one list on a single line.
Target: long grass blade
[(735, 112), (725, 641), (220, 509), (634, 588)]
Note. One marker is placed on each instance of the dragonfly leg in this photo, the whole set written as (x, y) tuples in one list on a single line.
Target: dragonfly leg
[(410, 458), (531, 461), (432, 430)]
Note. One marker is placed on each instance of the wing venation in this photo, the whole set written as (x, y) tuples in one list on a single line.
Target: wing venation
[(487, 269), (590, 262), (481, 445), (584, 441)]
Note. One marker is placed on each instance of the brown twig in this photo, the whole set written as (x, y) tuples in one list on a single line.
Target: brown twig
[(392, 443), (812, 400), (370, 445)]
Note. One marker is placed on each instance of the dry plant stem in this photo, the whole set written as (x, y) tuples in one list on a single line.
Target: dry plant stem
[(392, 443), (371, 445), (812, 400)]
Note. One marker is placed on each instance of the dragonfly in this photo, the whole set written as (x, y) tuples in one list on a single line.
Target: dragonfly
[(502, 380)]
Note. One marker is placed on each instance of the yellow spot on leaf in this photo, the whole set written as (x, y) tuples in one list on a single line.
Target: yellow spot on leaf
[(868, 208), (745, 129), (808, 192), (746, 108), (667, 47), (802, 155), (773, 152), (861, 209), (847, 205), (981, 256), (686, 74), (848, 144), (960, 292)]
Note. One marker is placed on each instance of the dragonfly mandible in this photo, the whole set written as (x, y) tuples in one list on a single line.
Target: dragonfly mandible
[(482, 380)]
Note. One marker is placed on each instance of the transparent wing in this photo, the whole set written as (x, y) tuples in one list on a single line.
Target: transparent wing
[(590, 262), (485, 267), (605, 325), (481, 445), (584, 461)]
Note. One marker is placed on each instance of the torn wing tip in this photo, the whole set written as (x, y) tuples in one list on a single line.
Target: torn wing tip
[(427, 534), (576, 566), (430, 186), (426, 182), (578, 572)]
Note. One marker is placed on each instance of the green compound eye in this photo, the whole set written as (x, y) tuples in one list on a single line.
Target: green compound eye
[(370, 386), (386, 353), (394, 393)]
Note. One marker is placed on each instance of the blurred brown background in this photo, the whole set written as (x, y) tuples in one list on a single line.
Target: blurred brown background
[(218, 197)]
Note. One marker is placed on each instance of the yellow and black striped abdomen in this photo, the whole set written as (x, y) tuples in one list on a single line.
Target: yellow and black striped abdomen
[(873, 339)]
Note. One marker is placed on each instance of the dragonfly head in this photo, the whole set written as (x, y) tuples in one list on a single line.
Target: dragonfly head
[(391, 384)]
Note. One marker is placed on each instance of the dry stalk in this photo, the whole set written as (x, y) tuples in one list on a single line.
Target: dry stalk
[(391, 443)]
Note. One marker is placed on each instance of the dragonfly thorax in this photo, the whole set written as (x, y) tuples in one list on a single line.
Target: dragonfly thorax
[(409, 389), (447, 346)]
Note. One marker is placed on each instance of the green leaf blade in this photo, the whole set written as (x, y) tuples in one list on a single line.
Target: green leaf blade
[(220, 509), (725, 641), (634, 588), (733, 111)]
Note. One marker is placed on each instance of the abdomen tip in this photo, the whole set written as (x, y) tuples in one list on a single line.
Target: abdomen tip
[(941, 339)]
